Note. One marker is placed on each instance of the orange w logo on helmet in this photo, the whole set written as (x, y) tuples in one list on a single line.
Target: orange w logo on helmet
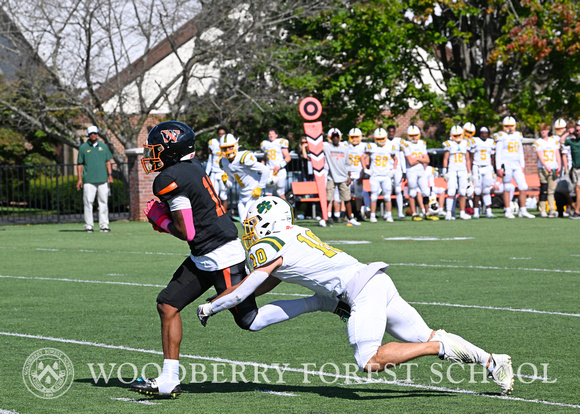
[(170, 135)]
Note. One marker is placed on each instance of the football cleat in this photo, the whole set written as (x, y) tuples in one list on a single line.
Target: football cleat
[(373, 219), (452, 349), (417, 218), (464, 216), (352, 222), (503, 373), (491, 216), (509, 215), (343, 311), (525, 214), (389, 219), (149, 387), (430, 217)]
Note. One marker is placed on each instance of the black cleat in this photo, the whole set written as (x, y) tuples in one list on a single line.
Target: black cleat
[(149, 387), (343, 311)]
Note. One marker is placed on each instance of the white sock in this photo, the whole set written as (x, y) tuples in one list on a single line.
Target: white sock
[(481, 357), (449, 204), (488, 211), (373, 215), (476, 211), (337, 214), (283, 310), (169, 377), (523, 209), (400, 203), (389, 214)]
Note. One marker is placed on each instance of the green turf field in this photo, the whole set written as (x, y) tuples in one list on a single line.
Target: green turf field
[(509, 286)]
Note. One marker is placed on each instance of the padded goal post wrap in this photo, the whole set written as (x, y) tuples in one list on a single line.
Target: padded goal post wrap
[(314, 134)]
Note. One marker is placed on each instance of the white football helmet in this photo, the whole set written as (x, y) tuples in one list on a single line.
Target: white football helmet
[(229, 146), (509, 124), (332, 131), (380, 136), (433, 205), (469, 130), (560, 124), (268, 216), (355, 136), (414, 133), (456, 133)]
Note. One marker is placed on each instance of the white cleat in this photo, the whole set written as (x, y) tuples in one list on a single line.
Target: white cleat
[(448, 216), (352, 222), (503, 373), (389, 219), (452, 349), (322, 223), (373, 219), (525, 214), (465, 216), (509, 215)]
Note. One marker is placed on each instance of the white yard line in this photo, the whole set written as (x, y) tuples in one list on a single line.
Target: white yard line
[(296, 370), (301, 295)]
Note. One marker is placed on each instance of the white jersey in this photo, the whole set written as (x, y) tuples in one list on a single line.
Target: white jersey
[(215, 154), (273, 152), (509, 150), (308, 261), (482, 151), (246, 171), (417, 150), (354, 164), (382, 159), (548, 149), (457, 155), (396, 145)]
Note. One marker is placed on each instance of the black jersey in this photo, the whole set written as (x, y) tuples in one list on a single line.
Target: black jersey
[(213, 227)]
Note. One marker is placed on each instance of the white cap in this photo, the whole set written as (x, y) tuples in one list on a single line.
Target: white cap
[(92, 130), (483, 129)]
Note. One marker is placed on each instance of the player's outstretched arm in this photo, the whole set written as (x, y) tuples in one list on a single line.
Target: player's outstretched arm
[(236, 294)]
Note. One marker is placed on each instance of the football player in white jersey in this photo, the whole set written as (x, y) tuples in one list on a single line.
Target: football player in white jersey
[(547, 149), (213, 169), (295, 254), (380, 163), (243, 168), (355, 150), (277, 156), (482, 150), (510, 163), (396, 144), (456, 170), (415, 150)]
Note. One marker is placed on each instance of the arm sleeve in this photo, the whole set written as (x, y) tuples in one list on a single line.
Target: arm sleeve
[(245, 289)]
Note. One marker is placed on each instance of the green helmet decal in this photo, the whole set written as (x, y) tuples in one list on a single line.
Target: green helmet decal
[(264, 206)]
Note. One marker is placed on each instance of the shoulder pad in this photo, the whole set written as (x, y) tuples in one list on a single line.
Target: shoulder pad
[(265, 250), (247, 158)]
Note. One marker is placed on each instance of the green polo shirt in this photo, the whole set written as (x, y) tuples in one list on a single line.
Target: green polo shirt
[(574, 145), (93, 159)]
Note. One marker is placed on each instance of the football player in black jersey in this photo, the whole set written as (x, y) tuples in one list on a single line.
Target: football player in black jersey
[(191, 210)]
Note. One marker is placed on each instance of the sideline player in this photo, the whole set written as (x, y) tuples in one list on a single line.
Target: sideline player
[(277, 156), (415, 150), (482, 149), (510, 163), (355, 151), (295, 254), (380, 163), (396, 144), (243, 168), (213, 169), (457, 171)]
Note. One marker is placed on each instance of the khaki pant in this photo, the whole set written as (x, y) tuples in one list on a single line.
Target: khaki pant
[(548, 178)]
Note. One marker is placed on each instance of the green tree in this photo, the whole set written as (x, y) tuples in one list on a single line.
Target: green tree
[(484, 58)]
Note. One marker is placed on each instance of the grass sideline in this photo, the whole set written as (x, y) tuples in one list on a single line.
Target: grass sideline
[(507, 285)]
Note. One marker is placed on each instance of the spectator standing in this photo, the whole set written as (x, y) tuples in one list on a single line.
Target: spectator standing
[(95, 174)]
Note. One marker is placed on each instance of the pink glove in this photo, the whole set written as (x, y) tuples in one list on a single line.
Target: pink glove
[(158, 214)]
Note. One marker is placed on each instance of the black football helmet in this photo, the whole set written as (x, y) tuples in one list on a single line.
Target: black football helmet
[(167, 143)]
